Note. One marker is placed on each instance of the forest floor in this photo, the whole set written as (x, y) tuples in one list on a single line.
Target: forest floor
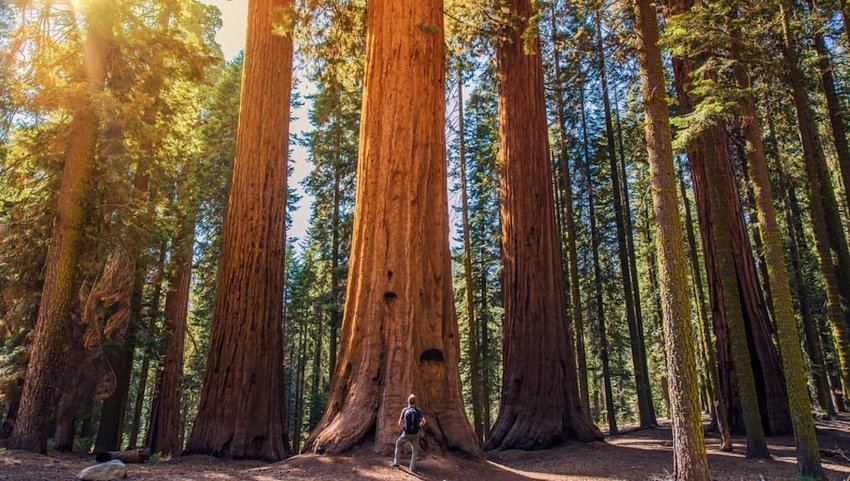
[(634, 455)]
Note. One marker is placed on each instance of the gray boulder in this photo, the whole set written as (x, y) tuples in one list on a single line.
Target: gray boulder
[(110, 471)]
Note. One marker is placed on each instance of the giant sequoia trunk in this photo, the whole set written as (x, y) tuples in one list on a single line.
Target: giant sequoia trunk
[(241, 412), (164, 428), (540, 399), (689, 458), (35, 414), (773, 402), (399, 331)]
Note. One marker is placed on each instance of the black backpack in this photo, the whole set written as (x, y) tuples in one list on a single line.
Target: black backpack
[(412, 420)]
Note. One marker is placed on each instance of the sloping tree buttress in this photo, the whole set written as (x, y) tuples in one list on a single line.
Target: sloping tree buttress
[(540, 403), (242, 407), (399, 330)]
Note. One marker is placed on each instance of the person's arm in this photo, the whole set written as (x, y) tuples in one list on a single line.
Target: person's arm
[(401, 419), (422, 423)]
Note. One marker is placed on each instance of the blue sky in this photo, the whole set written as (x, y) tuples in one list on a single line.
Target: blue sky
[(234, 14)]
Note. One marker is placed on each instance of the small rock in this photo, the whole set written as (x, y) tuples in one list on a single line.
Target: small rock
[(109, 471)]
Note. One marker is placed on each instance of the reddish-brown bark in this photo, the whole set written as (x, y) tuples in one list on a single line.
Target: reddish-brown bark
[(540, 399), (399, 331), (241, 409)]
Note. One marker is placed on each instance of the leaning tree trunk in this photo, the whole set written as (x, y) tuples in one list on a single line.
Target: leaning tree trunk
[(242, 407), (822, 205), (399, 331), (540, 403), (689, 458), (646, 412), (704, 328), (808, 456), (773, 401), (164, 433), (833, 102), (33, 424)]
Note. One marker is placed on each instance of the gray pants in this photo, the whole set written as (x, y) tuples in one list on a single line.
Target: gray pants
[(413, 439)]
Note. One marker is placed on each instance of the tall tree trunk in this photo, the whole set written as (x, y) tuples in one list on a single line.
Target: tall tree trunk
[(689, 458), (336, 313), (773, 402), (164, 426), (826, 225), (540, 406), (646, 411), (833, 103), (808, 456), (472, 344), (597, 278), (570, 227), (153, 315), (710, 355), (35, 414), (399, 331), (241, 411), (715, 150)]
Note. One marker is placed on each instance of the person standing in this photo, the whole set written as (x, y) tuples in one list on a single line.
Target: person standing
[(411, 422)]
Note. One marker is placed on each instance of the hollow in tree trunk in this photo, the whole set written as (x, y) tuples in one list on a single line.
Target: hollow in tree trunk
[(399, 331)]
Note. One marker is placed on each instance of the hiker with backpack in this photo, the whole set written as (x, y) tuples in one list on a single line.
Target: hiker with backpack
[(411, 422)]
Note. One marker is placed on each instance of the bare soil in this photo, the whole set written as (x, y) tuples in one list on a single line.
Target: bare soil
[(635, 455)]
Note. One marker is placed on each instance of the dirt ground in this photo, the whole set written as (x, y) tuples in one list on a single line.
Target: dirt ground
[(635, 455)]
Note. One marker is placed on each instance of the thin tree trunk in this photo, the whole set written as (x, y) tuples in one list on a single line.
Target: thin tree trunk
[(33, 425), (570, 225), (245, 344), (336, 314), (718, 400), (646, 411), (164, 426), (597, 278), (689, 458), (833, 102), (540, 407), (808, 456), (714, 146), (153, 315), (399, 331), (822, 207), (472, 344)]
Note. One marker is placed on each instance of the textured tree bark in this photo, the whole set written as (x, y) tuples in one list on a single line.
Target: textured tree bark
[(164, 433), (597, 276), (826, 225), (689, 458), (540, 405), (710, 355), (646, 411), (241, 413), (469, 300), (773, 401), (808, 456), (399, 331), (570, 227), (35, 414), (714, 147), (833, 103)]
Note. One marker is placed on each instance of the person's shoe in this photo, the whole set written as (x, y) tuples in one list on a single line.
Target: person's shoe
[(395, 465)]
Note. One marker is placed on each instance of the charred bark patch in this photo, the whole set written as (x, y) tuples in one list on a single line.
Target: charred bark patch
[(432, 355)]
